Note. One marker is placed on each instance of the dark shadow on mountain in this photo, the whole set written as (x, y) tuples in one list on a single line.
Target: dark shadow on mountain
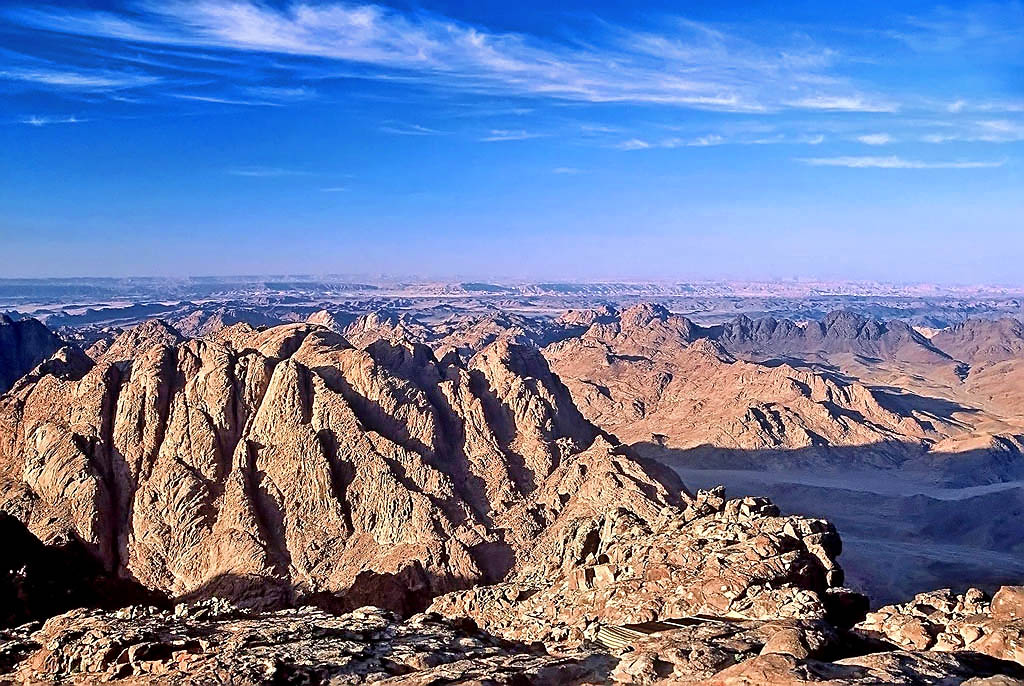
[(1002, 462), (405, 592), (904, 402), (38, 581)]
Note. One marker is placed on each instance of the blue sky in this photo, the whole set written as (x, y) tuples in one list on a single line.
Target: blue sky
[(657, 140)]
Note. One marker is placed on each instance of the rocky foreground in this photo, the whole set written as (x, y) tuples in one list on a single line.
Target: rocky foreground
[(213, 642)]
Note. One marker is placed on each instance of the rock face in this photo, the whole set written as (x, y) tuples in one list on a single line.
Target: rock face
[(889, 668), (838, 332), (208, 321), (625, 565), (23, 345), (384, 325), (285, 468), (288, 467), (328, 320), (215, 642)]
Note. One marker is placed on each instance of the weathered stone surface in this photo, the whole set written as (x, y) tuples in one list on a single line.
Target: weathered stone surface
[(214, 642), (698, 652), (876, 669), (286, 467), (661, 385), (135, 341), (627, 564), (1008, 603), (943, 621)]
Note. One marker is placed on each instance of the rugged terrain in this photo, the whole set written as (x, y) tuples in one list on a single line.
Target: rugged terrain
[(510, 474)]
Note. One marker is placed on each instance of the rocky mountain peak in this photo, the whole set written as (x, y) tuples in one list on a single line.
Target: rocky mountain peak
[(643, 314), (326, 319), (136, 340)]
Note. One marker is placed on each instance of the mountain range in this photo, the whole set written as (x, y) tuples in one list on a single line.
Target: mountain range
[(517, 472)]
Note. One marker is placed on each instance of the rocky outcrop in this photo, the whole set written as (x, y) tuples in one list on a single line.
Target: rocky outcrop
[(328, 320), (215, 642), (944, 621), (385, 325), (838, 332), (474, 334), (982, 341), (889, 668), (206, 321), (629, 565), (24, 343), (286, 467)]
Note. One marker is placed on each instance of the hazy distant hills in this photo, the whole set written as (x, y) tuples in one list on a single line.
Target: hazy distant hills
[(189, 303)]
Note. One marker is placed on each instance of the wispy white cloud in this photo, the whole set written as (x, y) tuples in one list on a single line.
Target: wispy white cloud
[(675, 142), (497, 135), (1000, 131), (984, 106), (335, 189), (976, 27), (875, 139), (980, 131), (79, 79), (409, 129), (566, 170), (894, 162), (216, 99), (843, 103), (282, 93), (939, 137), (687, 65), (36, 120), (265, 172), (704, 141), (784, 139), (633, 144), (599, 128)]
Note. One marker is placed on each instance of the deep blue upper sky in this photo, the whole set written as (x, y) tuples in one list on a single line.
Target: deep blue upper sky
[(521, 139)]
